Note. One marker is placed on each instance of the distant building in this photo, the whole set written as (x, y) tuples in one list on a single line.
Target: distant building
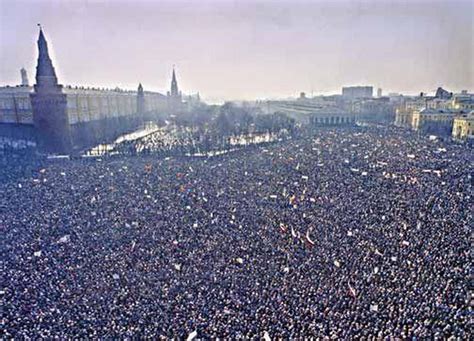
[(192, 101), (435, 114), (463, 127), (24, 77), (463, 101), (62, 119), (434, 121), (404, 112), (316, 113), (403, 117), (357, 92), (437, 103), (380, 109), (49, 105), (140, 100), (379, 92), (175, 99), (15, 105), (397, 100), (443, 94)]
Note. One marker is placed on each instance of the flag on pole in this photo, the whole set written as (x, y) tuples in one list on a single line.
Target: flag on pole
[(191, 336), (352, 291), (64, 239), (293, 233), (309, 241)]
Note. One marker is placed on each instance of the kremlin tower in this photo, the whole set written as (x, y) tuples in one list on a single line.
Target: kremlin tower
[(174, 96), (49, 105)]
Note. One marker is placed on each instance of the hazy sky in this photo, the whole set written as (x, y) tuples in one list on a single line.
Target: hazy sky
[(245, 49)]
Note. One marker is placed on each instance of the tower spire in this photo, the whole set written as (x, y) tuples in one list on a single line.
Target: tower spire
[(140, 101), (49, 105), (24, 77), (174, 84), (45, 73)]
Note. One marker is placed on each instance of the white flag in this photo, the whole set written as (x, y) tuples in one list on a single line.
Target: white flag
[(310, 241), (352, 291), (293, 233), (192, 335), (64, 239)]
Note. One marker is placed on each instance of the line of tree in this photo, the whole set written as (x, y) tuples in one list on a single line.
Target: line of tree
[(230, 119)]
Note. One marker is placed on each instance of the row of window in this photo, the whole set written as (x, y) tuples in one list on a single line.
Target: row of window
[(12, 117), (15, 103)]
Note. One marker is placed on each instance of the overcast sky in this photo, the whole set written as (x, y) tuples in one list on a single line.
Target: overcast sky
[(245, 49)]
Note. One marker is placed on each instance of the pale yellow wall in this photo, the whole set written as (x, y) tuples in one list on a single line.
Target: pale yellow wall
[(462, 127), (16, 108), (83, 105)]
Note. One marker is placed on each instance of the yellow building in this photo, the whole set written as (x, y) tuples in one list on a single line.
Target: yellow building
[(463, 127), (83, 104), (15, 105), (463, 101), (403, 117), (434, 121), (404, 113)]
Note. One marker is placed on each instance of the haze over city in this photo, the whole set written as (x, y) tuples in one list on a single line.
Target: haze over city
[(236, 170), (230, 50)]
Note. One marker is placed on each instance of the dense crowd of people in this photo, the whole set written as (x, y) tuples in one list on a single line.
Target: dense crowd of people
[(166, 141), (182, 141), (349, 233)]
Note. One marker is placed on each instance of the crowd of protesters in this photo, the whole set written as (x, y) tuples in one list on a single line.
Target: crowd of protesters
[(350, 233), (179, 141)]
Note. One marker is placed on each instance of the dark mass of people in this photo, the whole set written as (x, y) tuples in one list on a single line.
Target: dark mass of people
[(351, 233)]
